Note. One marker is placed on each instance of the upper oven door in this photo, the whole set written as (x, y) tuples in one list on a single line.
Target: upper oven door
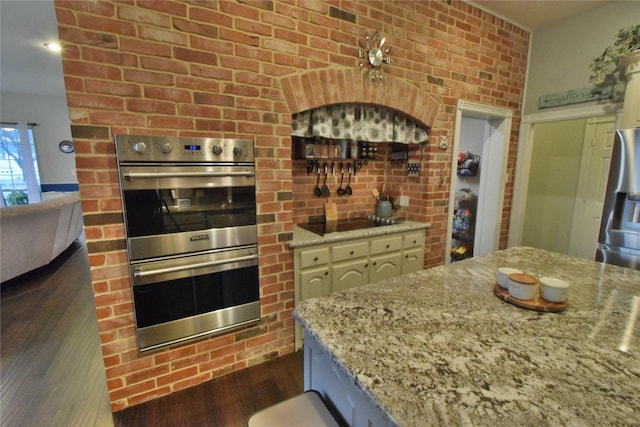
[(180, 209)]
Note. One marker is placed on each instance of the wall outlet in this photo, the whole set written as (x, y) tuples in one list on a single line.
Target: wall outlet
[(404, 200)]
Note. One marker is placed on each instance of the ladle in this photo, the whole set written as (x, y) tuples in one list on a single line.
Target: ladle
[(317, 191), (348, 189), (341, 191)]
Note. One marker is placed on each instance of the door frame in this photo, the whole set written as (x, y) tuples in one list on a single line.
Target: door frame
[(525, 148), (502, 118)]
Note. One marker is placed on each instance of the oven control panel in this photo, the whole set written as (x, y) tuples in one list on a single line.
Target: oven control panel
[(149, 148)]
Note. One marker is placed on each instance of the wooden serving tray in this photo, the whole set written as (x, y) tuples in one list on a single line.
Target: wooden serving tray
[(537, 304)]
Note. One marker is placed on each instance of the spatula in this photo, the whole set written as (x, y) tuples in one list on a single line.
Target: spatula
[(325, 190)]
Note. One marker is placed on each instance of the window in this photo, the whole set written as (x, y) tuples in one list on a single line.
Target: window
[(19, 177)]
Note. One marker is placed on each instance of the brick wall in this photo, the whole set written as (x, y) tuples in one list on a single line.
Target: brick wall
[(227, 69)]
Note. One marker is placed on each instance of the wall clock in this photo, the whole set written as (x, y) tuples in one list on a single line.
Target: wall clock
[(66, 146), (375, 53)]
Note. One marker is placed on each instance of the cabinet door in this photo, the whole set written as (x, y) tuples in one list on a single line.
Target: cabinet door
[(314, 283), (349, 274), (385, 266), (413, 260)]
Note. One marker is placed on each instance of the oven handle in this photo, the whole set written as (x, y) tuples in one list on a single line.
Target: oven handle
[(139, 273), (130, 175)]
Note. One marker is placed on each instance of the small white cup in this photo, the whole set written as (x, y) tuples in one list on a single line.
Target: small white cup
[(553, 290), (523, 286), (503, 276)]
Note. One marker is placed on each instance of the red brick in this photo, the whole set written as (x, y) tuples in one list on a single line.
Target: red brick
[(163, 36), (139, 15), (190, 55)]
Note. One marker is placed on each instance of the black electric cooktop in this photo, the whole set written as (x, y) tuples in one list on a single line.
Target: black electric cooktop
[(348, 224)]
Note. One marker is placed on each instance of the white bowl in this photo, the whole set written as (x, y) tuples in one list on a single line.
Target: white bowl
[(523, 286), (503, 276), (554, 290)]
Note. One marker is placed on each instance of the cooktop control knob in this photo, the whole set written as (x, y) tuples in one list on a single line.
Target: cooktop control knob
[(139, 147), (217, 150), (166, 148), (237, 151)]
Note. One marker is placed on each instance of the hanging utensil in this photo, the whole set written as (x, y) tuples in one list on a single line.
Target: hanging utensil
[(333, 172), (341, 191), (325, 190), (317, 191), (376, 193), (348, 189)]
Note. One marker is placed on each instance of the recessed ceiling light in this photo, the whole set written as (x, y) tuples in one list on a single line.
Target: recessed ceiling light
[(54, 46)]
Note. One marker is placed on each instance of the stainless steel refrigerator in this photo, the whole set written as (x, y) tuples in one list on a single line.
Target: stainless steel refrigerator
[(619, 238)]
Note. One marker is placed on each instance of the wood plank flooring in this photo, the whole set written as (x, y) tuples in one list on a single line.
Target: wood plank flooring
[(227, 401), (52, 374), (51, 362)]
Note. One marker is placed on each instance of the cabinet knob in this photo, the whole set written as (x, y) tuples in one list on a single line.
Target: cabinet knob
[(315, 259), (387, 246), (415, 241), (351, 252), (326, 273), (375, 263)]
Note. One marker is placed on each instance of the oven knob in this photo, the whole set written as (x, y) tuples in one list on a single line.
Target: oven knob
[(166, 148), (237, 151), (217, 150), (139, 147)]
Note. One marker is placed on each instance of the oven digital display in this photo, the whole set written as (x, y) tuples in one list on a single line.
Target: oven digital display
[(192, 147)]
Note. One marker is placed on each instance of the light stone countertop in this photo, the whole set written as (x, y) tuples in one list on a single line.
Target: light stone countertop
[(303, 238), (437, 347)]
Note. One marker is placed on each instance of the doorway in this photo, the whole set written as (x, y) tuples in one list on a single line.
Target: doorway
[(477, 192), (568, 174)]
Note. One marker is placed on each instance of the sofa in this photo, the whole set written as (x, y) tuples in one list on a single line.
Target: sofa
[(33, 235)]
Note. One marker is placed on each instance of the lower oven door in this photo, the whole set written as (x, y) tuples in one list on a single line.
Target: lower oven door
[(181, 298)]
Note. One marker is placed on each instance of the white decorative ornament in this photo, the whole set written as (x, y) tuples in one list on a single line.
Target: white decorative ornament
[(375, 53)]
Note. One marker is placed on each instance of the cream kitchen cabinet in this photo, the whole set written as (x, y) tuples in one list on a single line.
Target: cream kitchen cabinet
[(385, 266), (413, 252), (330, 267), (314, 282), (349, 274)]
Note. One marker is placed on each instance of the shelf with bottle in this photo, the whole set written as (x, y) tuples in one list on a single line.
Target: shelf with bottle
[(464, 225), (326, 149)]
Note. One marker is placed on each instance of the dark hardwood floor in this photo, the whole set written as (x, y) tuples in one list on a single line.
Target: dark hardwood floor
[(52, 374), (226, 401)]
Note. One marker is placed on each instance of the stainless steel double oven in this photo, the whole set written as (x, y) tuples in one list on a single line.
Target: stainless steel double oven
[(190, 217)]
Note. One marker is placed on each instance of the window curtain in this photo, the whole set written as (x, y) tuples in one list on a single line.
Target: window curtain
[(360, 122)]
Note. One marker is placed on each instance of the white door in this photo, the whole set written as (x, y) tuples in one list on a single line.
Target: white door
[(594, 170), (492, 181)]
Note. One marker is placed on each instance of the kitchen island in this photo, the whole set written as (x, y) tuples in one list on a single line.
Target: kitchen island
[(437, 347)]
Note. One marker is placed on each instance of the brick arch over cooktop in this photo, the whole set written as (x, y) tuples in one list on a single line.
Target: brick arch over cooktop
[(311, 89)]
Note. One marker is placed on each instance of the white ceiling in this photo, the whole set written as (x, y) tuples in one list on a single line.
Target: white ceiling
[(27, 67), (536, 14)]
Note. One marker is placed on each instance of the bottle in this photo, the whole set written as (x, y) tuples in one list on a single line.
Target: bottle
[(343, 144), (354, 149)]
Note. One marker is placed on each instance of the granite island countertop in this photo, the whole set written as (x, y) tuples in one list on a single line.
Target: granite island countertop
[(437, 347), (303, 238)]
